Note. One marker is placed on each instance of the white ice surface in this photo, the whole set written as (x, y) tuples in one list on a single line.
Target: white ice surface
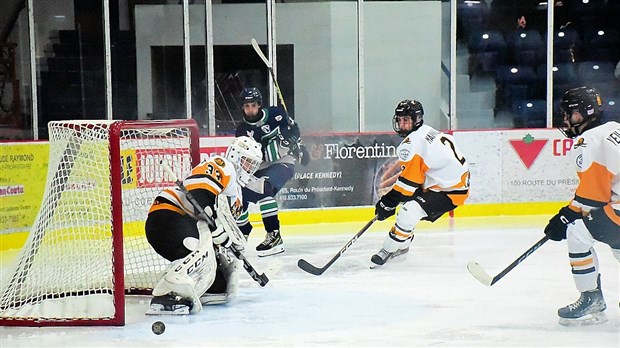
[(426, 298)]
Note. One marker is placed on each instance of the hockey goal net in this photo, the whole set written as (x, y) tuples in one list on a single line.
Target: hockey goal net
[(87, 247)]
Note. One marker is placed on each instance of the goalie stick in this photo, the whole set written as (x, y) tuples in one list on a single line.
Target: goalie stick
[(261, 279), (306, 266), (270, 68), (479, 273)]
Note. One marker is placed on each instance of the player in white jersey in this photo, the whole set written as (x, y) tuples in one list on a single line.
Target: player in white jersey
[(594, 212), (434, 179), (202, 271)]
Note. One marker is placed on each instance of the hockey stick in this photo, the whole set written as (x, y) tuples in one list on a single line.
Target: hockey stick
[(270, 68), (306, 266), (261, 279), (479, 273)]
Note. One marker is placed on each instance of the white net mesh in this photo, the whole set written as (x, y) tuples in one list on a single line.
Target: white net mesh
[(65, 270)]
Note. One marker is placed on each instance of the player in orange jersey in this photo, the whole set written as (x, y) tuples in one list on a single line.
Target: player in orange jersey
[(434, 179), (199, 273), (594, 212)]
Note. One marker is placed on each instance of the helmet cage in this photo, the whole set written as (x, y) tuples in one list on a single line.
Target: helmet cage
[(246, 155)]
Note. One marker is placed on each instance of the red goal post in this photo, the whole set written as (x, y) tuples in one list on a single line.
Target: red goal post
[(87, 248)]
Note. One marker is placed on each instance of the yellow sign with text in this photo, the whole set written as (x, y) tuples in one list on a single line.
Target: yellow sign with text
[(23, 172)]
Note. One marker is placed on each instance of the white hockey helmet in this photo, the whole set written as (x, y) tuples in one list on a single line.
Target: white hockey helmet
[(246, 155)]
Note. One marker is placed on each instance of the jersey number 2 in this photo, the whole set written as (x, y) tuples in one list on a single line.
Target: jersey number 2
[(445, 140)]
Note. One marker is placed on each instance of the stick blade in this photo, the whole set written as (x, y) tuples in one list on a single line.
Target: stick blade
[(307, 267), (479, 273), (260, 53)]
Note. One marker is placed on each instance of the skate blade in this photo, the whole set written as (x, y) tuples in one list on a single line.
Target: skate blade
[(399, 256), (588, 319), (273, 251)]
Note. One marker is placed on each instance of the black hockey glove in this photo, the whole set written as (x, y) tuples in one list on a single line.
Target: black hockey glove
[(302, 155), (290, 141), (556, 228), (298, 150), (386, 207), (290, 136)]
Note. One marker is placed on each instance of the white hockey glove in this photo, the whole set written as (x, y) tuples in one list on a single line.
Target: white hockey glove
[(257, 184), (220, 237)]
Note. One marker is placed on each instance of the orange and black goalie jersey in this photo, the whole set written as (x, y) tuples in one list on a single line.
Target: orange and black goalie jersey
[(597, 157), (215, 175)]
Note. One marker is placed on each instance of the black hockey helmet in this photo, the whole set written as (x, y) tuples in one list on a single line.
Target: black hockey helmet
[(411, 108), (587, 101), (250, 95)]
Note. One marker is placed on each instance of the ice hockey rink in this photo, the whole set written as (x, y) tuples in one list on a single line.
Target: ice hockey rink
[(426, 298)]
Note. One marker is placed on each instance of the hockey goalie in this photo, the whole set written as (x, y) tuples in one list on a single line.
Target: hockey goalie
[(202, 271)]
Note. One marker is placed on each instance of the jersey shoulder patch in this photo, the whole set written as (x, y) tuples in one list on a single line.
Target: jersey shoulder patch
[(219, 161)]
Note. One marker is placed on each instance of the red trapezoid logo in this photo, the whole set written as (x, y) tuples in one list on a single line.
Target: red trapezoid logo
[(528, 149)]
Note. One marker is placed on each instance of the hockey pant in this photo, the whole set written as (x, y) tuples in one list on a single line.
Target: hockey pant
[(425, 205), (278, 175), (580, 237)]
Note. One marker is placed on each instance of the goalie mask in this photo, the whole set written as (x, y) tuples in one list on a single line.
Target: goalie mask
[(585, 100), (246, 155), (408, 117), (251, 101)]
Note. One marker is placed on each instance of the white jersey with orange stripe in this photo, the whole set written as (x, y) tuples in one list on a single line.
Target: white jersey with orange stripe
[(597, 158), (212, 177), (431, 159)]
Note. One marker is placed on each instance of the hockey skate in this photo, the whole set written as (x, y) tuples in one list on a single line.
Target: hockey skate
[(587, 310), (380, 258), (272, 244), (170, 304)]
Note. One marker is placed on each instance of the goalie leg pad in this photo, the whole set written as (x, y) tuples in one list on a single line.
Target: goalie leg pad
[(191, 275), (224, 288)]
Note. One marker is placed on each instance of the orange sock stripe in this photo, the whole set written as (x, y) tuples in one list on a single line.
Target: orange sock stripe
[(585, 262)]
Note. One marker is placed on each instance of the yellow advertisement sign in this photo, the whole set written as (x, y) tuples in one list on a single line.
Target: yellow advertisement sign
[(23, 172)]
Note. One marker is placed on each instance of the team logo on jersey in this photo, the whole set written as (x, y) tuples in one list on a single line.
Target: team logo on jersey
[(528, 149), (403, 154), (579, 161), (236, 208), (220, 162), (580, 142), (266, 128)]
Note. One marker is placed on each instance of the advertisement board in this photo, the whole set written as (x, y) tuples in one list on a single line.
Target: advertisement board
[(345, 170), (23, 170)]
